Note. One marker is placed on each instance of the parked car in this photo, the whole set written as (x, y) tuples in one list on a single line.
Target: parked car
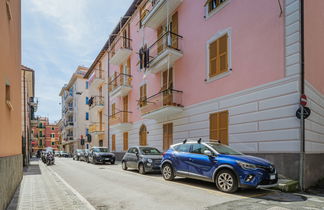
[(77, 154), (218, 163), (144, 159), (101, 155), (64, 154), (84, 156), (56, 153)]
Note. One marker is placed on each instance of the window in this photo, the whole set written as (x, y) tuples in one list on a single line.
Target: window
[(182, 147), (87, 84), (100, 143), (198, 149), (53, 143), (218, 56), (52, 128), (40, 143), (87, 131), (143, 96), (87, 116), (113, 142), (113, 109), (87, 100), (52, 135), (167, 135), (218, 125), (125, 141), (214, 4), (8, 101)]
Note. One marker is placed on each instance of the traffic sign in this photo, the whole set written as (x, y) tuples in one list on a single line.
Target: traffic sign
[(306, 111), (303, 100)]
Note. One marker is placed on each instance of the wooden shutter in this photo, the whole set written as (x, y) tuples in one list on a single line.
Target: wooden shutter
[(218, 56), (218, 125), (113, 109), (174, 29), (125, 107), (143, 135), (125, 141), (212, 58), (100, 121), (129, 72), (222, 53), (167, 135), (143, 95), (113, 142), (159, 37), (115, 80)]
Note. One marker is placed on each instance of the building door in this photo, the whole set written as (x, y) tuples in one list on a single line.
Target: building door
[(125, 141), (218, 125), (113, 142), (100, 121), (143, 136), (167, 86), (125, 109), (167, 135)]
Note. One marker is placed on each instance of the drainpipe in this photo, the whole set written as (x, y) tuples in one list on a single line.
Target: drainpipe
[(302, 91), (108, 98)]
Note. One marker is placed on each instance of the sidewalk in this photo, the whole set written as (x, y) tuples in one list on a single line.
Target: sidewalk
[(41, 188)]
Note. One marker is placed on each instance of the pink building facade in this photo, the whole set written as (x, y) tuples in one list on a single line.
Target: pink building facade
[(227, 70)]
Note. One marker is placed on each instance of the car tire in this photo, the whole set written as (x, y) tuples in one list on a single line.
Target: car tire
[(124, 166), (141, 168), (93, 161), (167, 172), (112, 162), (226, 181)]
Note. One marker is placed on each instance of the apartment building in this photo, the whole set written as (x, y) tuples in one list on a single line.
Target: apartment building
[(52, 136), (225, 70), (11, 159), (29, 107), (75, 113), (39, 133)]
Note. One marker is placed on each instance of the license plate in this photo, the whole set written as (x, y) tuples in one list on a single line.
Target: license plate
[(273, 176), (106, 158)]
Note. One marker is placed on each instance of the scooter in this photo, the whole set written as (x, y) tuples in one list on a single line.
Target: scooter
[(49, 159)]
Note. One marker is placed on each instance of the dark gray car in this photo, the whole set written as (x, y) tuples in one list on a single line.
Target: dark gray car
[(144, 159), (101, 155)]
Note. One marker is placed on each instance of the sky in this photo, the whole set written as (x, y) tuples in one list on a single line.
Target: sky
[(58, 36)]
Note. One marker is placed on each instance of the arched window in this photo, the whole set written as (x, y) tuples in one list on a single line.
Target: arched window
[(143, 136)]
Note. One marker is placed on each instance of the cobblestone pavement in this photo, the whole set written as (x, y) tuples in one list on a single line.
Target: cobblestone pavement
[(42, 189)]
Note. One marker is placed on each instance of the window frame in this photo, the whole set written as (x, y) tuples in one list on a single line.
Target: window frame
[(216, 36), (209, 14)]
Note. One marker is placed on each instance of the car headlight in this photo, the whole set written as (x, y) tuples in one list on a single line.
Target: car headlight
[(245, 165), (149, 160)]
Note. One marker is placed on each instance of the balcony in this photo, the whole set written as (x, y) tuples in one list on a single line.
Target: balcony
[(121, 50), (157, 12), (120, 121), (161, 105), (97, 78), (69, 125), (119, 85), (164, 52), (68, 111), (97, 128), (69, 136), (96, 103), (68, 97)]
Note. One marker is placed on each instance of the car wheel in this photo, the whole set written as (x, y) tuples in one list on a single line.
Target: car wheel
[(226, 181), (93, 161), (124, 166), (141, 168), (167, 172), (112, 162)]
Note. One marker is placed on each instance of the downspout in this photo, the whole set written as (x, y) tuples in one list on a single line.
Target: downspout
[(108, 98), (302, 91), (25, 129)]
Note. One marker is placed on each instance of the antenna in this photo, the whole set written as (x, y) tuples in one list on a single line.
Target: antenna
[(184, 141), (199, 141)]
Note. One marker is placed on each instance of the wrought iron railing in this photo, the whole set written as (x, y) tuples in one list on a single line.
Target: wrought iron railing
[(96, 101), (164, 98), (97, 74), (146, 9), (119, 117), (121, 42), (120, 80)]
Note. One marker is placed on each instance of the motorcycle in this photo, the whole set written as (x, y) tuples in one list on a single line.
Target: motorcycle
[(49, 159)]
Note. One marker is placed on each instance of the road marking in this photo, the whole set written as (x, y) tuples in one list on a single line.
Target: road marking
[(82, 199)]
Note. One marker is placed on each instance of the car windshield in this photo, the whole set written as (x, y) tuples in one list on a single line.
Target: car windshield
[(222, 149), (79, 150), (150, 151), (100, 149)]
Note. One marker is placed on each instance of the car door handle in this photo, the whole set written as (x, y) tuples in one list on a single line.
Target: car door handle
[(189, 159)]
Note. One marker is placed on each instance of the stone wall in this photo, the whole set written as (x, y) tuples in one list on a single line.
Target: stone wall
[(11, 172)]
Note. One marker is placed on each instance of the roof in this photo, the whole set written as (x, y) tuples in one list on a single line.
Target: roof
[(79, 73), (112, 36)]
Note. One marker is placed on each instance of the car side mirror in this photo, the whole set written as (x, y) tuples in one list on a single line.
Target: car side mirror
[(208, 153), (136, 153)]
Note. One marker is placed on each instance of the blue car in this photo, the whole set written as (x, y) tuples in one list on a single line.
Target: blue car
[(217, 163)]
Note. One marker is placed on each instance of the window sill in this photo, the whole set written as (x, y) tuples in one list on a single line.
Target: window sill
[(213, 12), (220, 76)]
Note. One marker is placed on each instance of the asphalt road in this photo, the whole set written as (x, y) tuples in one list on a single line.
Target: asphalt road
[(109, 187)]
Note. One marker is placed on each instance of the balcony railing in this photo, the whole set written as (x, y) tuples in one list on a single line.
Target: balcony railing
[(162, 53), (97, 78), (155, 12), (120, 85), (96, 102), (168, 98), (96, 128), (119, 117), (121, 49)]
